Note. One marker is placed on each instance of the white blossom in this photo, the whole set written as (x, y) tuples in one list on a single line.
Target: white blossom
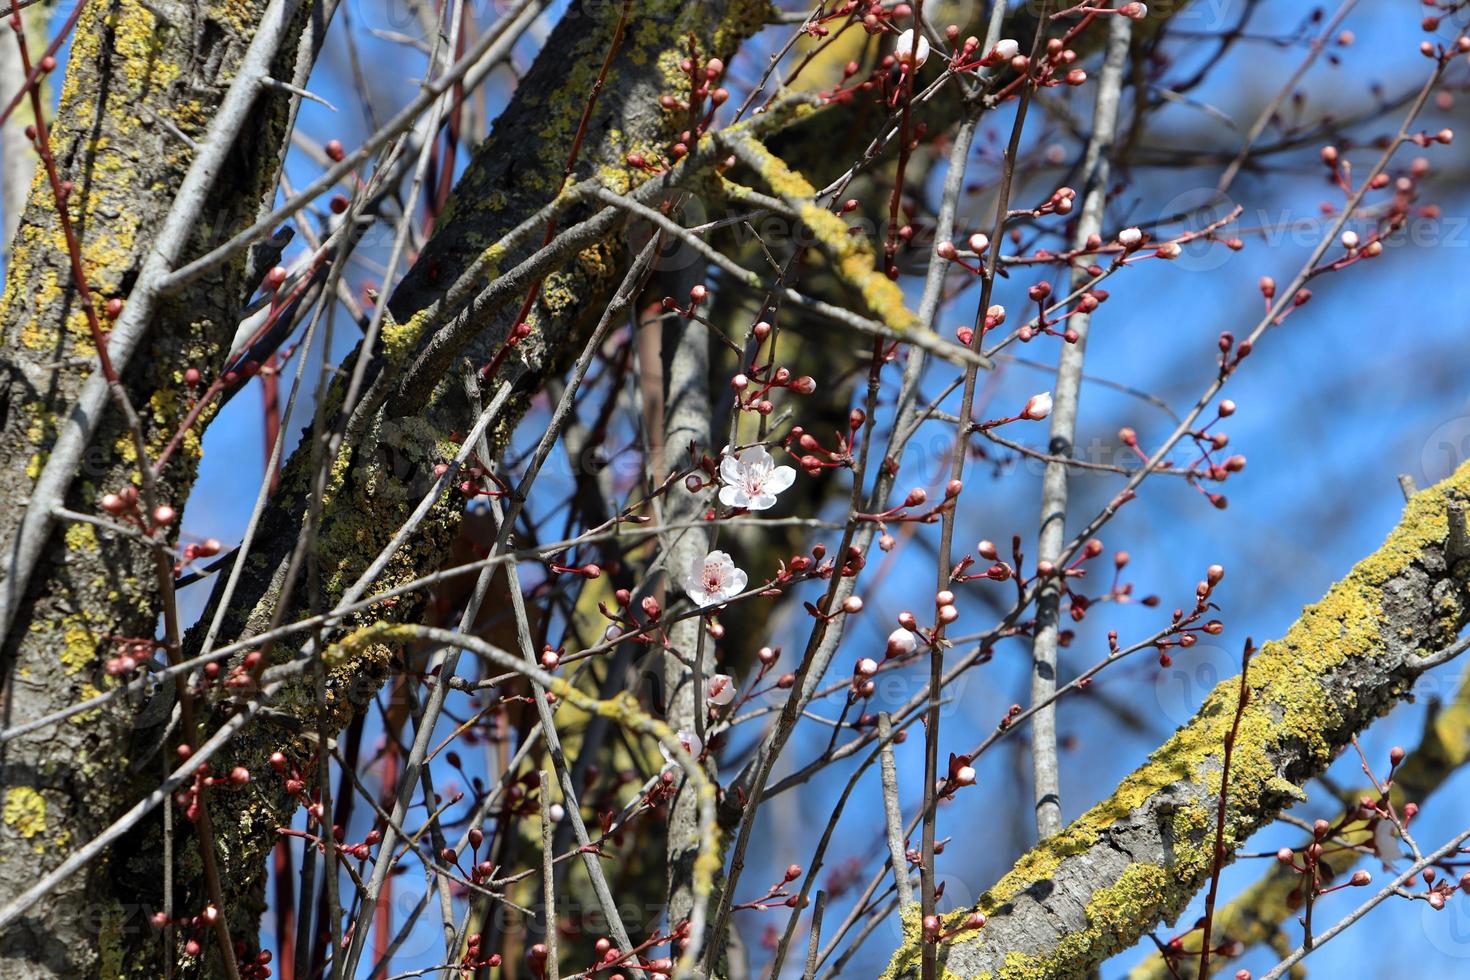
[(714, 579), (719, 690), (1007, 48), (904, 49), (752, 479), (1037, 407), (1130, 237), (691, 742)]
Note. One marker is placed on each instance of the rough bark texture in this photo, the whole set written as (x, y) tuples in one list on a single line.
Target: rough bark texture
[(1140, 855), (127, 71)]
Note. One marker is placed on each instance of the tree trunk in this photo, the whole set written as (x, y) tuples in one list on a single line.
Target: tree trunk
[(133, 85)]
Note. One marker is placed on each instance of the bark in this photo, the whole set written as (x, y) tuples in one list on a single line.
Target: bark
[(131, 80), (687, 422), (1138, 857)]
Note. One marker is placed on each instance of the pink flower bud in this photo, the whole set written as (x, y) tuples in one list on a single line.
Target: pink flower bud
[(1037, 407)]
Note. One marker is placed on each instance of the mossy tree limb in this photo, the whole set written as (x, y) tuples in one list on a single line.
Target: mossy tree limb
[(1139, 856)]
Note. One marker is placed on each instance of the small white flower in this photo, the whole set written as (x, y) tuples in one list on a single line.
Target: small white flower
[(1007, 48), (556, 812), (1037, 407), (1130, 237), (965, 776), (713, 579), (719, 690), (979, 243), (1350, 240), (691, 742), (904, 49), (752, 479)]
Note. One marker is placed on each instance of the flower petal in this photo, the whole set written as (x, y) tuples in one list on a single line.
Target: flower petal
[(731, 471), (780, 479)]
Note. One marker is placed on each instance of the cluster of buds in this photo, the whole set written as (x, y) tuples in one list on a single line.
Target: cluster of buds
[(998, 571), (251, 966), (474, 479), (1311, 863), (754, 385), (814, 457), (193, 551), (480, 872), (132, 651), (1174, 949), (1122, 592), (994, 317), (607, 954), (1440, 51), (188, 797), (242, 678), (1062, 201), (862, 686), (623, 622), (476, 959), (1207, 467), (703, 90), (1041, 293), (1184, 627), (1005, 52), (778, 895), (979, 244), (123, 505)]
